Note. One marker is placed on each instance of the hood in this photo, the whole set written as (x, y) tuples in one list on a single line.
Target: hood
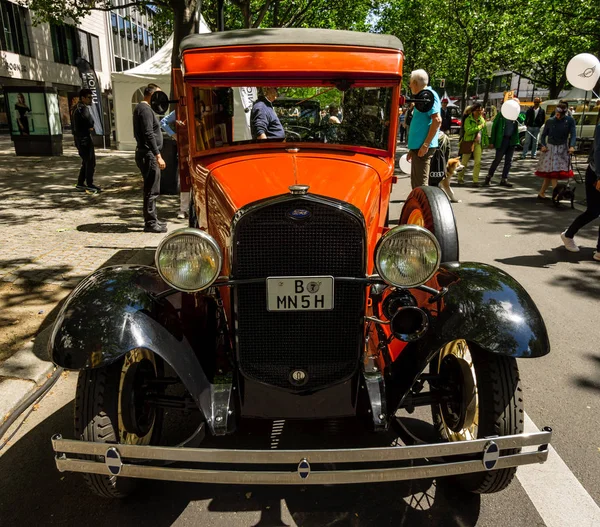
[(350, 177)]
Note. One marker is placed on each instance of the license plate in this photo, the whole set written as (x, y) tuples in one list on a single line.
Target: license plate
[(300, 293)]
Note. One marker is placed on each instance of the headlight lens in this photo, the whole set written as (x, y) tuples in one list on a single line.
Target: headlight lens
[(189, 260), (407, 256)]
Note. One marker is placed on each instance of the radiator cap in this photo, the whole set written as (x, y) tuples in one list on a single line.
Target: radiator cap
[(299, 189)]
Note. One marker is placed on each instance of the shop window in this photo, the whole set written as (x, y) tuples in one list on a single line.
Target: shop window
[(118, 65), (14, 35), (84, 47), (95, 48)]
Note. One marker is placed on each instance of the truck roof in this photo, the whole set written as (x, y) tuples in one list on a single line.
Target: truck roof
[(258, 37)]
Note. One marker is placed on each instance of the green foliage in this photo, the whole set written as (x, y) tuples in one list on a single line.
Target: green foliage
[(457, 40), (462, 39)]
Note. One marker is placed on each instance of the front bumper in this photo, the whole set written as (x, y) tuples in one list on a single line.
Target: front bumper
[(301, 467)]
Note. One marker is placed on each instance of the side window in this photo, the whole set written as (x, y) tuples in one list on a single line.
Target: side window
[(213, 112)]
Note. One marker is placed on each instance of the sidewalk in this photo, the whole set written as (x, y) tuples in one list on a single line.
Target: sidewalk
[(52, 237)]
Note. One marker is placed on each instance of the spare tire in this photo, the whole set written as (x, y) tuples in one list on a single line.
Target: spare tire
[(429, 207)]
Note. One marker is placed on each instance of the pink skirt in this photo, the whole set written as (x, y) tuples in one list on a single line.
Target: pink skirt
[(555, 163)]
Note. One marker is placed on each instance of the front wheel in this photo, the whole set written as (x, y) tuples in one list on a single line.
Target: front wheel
[(429, 207), (110, 408), (486, 401)]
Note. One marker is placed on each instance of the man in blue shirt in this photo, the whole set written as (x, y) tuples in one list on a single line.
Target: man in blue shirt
[(264, 122), (423, 131)]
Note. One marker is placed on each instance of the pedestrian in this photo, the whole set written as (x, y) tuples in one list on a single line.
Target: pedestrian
[(592, 195), (474, 140), (263, 120), (83, 126), (446, 116), (401, 127), (148, 136), (167, 124), (504, 138), (423, 131), (558, 143), (535, 117)]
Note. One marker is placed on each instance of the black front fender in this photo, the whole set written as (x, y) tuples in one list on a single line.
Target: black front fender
[(489, 307), (116, 310), (482, 305), (109, 314)]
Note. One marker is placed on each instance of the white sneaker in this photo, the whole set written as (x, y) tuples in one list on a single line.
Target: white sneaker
[(181, 215), (596, 256), (569, 243)]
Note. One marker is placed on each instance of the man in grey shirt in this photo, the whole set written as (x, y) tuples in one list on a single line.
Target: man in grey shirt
[(148, 136)]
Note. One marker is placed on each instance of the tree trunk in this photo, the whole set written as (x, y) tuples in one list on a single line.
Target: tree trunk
[(486, 95), (183, 25), (464, 101)]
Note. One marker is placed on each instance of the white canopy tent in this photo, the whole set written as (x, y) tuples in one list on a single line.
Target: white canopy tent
[(128, 89)]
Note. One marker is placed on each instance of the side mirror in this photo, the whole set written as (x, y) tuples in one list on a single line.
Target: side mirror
[(160, 102), (423, 100)]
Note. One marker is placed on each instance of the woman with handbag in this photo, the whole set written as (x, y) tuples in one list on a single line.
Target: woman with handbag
[(475, 139)]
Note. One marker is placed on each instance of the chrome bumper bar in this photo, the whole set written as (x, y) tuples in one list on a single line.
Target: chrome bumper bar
[(301, 467)]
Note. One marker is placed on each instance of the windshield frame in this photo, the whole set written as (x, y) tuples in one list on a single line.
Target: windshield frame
[(282, 81)]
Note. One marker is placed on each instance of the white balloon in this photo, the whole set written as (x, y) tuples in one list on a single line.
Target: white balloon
[(583, 71), (511, 110), (405, 164)]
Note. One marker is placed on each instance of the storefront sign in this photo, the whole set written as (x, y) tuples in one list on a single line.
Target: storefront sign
[(12, 67)]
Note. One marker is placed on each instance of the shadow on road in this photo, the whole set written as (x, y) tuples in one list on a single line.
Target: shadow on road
[(593, 383), (36, 493)]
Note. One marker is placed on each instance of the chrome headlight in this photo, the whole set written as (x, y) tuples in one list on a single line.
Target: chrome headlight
[(407, 256), (189, 260)]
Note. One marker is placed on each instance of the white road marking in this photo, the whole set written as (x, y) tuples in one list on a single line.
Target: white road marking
[(555, 492)]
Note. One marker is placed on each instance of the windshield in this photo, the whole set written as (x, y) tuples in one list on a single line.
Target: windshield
[(228, 116)]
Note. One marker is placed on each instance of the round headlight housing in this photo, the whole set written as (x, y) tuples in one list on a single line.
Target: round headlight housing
[(189, 260), (407, 256)]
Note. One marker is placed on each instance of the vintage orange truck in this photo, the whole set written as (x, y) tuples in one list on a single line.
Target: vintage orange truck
[(288, 302)]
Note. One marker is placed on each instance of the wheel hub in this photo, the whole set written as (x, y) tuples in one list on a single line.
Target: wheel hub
[(136, 413), (460, 413)]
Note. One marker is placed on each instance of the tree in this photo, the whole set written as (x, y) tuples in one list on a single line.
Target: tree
[(555, 32)]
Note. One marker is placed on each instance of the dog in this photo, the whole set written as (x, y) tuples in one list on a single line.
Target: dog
[(563, 191), (452, 166)]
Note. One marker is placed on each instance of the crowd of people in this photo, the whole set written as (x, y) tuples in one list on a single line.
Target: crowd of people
[(557, 145), (421, 129)]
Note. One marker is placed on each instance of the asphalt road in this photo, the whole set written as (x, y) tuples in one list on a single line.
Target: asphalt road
[(508, 228)]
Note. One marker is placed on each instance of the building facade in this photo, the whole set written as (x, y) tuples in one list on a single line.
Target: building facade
[(504, 81), (45, 55)]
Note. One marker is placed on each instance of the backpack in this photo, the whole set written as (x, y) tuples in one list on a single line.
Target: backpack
[(437, 168)]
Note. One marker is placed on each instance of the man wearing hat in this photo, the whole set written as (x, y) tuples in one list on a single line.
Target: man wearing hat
[(534, 119)]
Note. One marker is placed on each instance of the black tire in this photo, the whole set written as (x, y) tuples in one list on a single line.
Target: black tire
[(432, 210), (97, 420), (500, 412)]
